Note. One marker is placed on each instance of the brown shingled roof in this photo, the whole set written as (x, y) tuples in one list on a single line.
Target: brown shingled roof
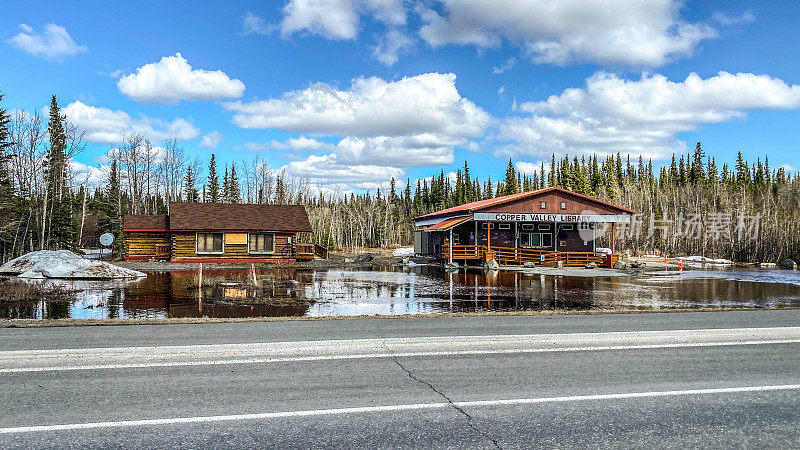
[(236, 217), (145, 222)]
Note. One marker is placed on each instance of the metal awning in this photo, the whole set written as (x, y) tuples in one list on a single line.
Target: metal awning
[(448, 223)]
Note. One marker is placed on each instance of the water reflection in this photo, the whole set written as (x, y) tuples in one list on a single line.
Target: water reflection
[(391, 290)]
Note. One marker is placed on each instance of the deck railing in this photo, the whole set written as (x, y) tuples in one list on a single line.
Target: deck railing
[(309, 250), (518, 256)]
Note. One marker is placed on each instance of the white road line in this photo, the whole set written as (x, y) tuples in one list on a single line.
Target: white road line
[(392, 408), (388, 355)]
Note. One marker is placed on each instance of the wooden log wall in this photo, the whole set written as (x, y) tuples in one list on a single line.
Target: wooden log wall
[(184, 248), (142, 244)]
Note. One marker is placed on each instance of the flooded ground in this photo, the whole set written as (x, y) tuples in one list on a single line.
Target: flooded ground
[(397, 290)]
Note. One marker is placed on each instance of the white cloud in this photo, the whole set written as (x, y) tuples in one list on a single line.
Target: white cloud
[(529, 168), (338, 19), (620, 32), (54, 44), (506, 66), (407, 151), (300, 143), (327, 170), (413, 121), (639, 116), (86, 174), (254, 24), (211, 140), (732, 20), (105, 126), (427, 103), (390, 46), (172, 79)]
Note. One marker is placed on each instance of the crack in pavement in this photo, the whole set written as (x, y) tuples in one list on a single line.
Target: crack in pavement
[(443, 395)]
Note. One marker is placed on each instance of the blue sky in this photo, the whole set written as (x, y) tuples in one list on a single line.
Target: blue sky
[(349, 93)]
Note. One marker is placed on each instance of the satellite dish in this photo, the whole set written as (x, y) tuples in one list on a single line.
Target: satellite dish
[(106, 239)]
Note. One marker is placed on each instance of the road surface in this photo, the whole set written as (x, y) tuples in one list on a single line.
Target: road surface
[(660, 380)]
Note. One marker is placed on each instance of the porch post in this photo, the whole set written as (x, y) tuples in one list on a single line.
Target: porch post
[(613, 237), (451, 245), (476, 237), (516, 240)]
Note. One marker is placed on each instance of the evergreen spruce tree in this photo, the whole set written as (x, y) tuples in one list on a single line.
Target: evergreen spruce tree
[(235, 195), (510, 183), (226, 187), (280, 190), (9, 205), (190, 186), (213, 181), (59, 227)]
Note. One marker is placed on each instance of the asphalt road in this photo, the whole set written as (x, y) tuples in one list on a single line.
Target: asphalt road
[(729, 379)]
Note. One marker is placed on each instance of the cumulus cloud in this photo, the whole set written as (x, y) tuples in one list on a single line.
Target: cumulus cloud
[(640, 116), (327, 170), (172, 79), (211, 140), (338, 19), (254, 24), (413, 121), (428, 103), (621, 32), (89, 175), (106, 126), (390, 46), (53, 44)]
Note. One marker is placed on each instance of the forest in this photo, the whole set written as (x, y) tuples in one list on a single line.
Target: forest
[(747, 211)]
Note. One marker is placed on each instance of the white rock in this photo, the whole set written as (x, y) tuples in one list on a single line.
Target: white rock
[(64, 264)]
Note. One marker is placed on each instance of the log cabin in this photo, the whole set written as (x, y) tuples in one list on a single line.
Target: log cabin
[(546, 226), (219, 232)]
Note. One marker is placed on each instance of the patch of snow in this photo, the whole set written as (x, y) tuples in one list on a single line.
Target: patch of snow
[(703, 259), (405, 251), (64, 264), (607, 251)]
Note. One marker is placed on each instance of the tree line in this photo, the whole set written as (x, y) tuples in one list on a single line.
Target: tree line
[(747, 212)]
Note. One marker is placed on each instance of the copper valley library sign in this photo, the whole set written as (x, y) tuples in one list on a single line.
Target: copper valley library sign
[(527, 217)]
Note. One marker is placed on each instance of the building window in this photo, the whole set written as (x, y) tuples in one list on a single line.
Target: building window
[(563, 205), (567, 227), (527, 226), (209, 243), (534, 240), (544, 227), (456, 239), (484, 225), (262, 243), (504, 226), (543, 205)]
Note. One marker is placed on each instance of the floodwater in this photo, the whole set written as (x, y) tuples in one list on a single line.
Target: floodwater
[(409, 290)]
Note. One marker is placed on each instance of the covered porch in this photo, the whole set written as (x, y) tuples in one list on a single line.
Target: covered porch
[(509, 256)]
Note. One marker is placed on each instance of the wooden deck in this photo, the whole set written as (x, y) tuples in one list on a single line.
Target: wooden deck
[(517, 256), (308, 251)]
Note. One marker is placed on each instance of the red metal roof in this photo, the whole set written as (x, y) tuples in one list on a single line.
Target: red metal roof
[(446, 224), (481, 204)]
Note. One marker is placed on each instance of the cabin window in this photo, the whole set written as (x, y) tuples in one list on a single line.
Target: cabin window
[(209, 243), (262, 243), (563, 205), (504, 226), (543, 205)]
